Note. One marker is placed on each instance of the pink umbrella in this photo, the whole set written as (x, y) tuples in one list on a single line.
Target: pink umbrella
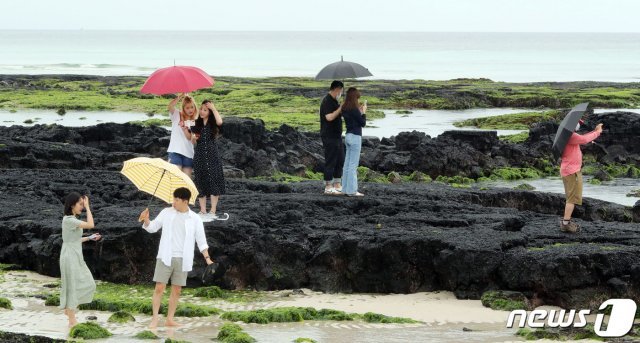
[(176, 79)]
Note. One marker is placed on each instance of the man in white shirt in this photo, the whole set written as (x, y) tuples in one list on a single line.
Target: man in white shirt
[(181, 230)]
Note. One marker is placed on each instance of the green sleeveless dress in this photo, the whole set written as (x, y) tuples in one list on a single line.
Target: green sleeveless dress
[(78, 286)]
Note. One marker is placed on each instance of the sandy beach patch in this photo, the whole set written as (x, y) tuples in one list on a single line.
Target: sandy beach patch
[(444, 318)]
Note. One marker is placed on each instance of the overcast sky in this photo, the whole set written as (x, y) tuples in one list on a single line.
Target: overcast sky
[(313, 15)]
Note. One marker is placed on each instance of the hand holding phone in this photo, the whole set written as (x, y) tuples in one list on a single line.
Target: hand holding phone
[(599, 127)]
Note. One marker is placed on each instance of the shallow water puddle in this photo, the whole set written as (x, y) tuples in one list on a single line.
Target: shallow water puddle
[(613, 191), (70, 118)]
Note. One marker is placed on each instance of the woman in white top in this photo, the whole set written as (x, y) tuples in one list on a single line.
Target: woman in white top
[(180, 147)]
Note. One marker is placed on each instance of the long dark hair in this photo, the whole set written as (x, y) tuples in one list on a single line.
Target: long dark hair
[(351, 102), (70, 201), (211, 122)]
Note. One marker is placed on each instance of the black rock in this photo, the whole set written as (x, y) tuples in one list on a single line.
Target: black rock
[(10, 337), (290, 237), (602, 176), (618, 286), (246, 145), (407, 141), (400, 238), (636, 212)]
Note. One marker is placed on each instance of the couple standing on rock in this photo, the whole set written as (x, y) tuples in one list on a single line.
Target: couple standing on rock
[(340, 168), (189, 128), (340, 172), (181, 228)]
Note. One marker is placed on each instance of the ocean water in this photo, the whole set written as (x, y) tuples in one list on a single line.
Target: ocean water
[(435, 122), (515, 57), (613, 191)]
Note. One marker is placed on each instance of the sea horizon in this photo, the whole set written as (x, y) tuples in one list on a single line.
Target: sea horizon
[(499, 56)]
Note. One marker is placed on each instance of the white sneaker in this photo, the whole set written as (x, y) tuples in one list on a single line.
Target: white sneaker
[(223, 216), (332, 191), (206, 217)]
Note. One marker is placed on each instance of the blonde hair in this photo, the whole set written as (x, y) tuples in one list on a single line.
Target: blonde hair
[(183, 114)]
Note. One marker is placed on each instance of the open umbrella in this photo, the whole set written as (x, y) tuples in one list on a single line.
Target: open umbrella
[(176, 79), (343, 70), (567, 127), (158, 178)]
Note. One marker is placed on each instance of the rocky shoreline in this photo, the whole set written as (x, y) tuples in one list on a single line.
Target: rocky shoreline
[(295, 100), (248, 149), (401, 238)]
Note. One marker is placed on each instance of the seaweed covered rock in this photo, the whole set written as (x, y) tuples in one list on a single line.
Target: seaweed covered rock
[(89, 330), (146, 335), (505, 300), (233, 333), (121, 317)]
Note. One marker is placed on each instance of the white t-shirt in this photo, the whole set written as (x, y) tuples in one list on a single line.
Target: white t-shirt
[(178, 234), (179, 142)]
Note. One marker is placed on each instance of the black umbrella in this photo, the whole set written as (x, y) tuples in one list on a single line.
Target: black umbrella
[(209, 272), (343, 70), (567, 127)]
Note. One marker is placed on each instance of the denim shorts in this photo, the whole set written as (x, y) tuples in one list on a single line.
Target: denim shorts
[(180, 160)]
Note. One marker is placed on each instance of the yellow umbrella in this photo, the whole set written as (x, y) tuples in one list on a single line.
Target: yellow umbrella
[(158, 178)]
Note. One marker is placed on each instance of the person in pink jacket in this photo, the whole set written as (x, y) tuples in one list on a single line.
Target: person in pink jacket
[(572, 176)]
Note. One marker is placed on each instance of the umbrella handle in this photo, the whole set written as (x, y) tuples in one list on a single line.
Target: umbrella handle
[(150, 200)]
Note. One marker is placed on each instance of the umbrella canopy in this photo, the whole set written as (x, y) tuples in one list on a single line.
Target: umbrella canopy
[(209, 272), (342, 70), (567, 127), (158, 178), (176, 79)]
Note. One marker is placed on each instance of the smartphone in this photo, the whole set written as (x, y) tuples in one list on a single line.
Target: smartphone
[(189, 123), (365, 102)]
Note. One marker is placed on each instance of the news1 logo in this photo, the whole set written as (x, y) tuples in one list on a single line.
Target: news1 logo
[(620, 322)]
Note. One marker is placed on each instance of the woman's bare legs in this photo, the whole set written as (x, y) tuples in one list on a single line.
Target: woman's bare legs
[(72, 317), (203, 204), (214, 203), (187, 170)]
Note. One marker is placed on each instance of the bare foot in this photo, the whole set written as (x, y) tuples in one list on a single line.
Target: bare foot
[(72, 323), (153, 324), (172, 323)]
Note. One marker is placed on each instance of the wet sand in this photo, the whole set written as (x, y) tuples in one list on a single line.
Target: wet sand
[(444, 317)]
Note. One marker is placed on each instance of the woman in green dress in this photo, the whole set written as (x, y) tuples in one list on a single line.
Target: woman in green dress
[(78, 286)]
